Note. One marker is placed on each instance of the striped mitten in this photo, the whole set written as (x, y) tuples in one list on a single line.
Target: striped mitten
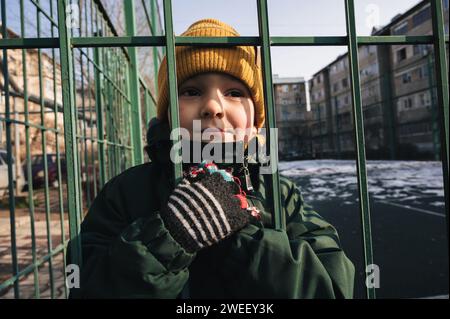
[(201, 213)]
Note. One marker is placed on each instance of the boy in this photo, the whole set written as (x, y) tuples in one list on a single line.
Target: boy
[(208, 236)]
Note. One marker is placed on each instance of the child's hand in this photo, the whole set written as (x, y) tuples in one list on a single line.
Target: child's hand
[(202, 211)]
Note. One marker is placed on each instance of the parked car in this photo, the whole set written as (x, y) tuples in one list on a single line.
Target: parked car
[(38, 172), (4, 181)]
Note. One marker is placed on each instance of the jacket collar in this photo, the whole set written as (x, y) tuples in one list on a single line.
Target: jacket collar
[(159, 145)]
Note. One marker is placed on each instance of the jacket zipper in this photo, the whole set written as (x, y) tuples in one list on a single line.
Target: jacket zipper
[(247, 180)]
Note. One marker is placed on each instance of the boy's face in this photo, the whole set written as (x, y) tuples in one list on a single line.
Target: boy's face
[(219, 103)]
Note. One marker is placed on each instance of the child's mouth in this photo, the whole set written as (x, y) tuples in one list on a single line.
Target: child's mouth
[(215, 133), (212, 129)]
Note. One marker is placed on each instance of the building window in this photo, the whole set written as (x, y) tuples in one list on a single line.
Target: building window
[(346, 100), (285, 88), (345, 83), (415, 129), (333, 68), (363, 73), (420, 73), (337, 102), (365, 50), (401, 55), (371, 112), (317, 113), (407, 103), (335, 87), (421, 17), (424, 99), (344, 120), (285, 115), (445, 4), (425, 70), (406, 78), (322, 110), (420, 49), (370, 70), (401, 30)]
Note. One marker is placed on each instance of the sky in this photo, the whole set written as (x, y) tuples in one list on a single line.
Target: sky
[(292, 18)]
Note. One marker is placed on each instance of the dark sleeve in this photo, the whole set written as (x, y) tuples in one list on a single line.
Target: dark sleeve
[(126, 258)]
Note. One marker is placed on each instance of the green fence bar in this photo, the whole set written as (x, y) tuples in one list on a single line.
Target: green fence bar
[(58, 157), (28, 160), (70, 139), (91, 104), (442, 89), (108, 121), (359, 137), (114, 120), (138, 155), (12, 213), (44, 155), (278, 217), (147, 108), (84, 170), (78, 130), (156, 57), (155, 41), (147, 41), (434, 119), (99, 102), (172, 77)]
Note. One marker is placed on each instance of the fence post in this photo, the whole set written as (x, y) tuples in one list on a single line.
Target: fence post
[(442, 91), (172, 78), (70, 140), (99, 110), (359, 137), (263, 22), (12, 203), (155, 49), (136, 130)]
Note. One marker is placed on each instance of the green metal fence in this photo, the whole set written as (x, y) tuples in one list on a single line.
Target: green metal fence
[(106, 104), (98, 91)]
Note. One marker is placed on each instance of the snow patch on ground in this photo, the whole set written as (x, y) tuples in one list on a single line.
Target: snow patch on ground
[(407, 181)]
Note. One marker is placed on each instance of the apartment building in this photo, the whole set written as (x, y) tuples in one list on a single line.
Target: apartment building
[(292, 117), (398, 96)]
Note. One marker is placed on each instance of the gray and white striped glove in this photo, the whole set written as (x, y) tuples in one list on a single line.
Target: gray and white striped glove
[(201, 213)]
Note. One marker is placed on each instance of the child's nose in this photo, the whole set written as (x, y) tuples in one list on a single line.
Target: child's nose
[(211, 108)]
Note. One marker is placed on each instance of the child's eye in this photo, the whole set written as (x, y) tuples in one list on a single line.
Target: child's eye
[(189, 92), (234, 93)]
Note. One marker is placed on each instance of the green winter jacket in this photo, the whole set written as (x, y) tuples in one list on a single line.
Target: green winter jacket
[(128, 253)]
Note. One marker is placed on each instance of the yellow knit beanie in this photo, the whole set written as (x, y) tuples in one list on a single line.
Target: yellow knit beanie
[(240, 62)]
